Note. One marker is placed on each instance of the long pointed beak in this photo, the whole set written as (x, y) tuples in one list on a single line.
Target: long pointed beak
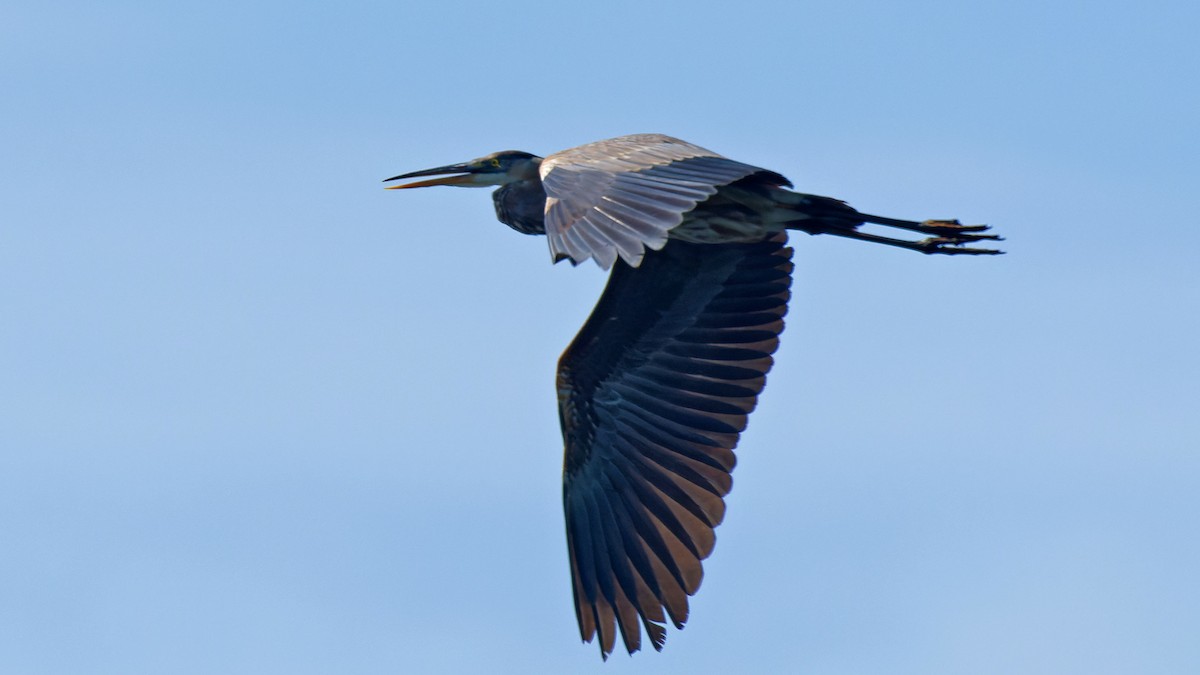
[(467, 175)]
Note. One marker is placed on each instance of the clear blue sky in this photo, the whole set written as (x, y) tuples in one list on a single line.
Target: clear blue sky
[(258, 415)]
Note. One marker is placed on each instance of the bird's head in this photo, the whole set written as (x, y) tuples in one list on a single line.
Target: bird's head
[(498, 168)]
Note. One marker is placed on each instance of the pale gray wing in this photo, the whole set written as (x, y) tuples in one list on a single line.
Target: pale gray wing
[(622, 195)]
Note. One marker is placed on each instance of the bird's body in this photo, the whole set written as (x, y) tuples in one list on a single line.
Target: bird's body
[(656, 388)]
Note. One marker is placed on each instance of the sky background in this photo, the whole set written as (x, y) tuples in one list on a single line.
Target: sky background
[(258, 415)]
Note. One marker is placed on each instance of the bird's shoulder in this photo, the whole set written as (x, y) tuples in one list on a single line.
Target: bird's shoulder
[(625, 153)]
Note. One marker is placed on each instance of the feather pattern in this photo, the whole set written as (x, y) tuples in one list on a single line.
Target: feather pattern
[(620, 197), (653, 394)]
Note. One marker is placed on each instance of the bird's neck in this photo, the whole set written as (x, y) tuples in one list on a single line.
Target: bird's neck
[(522, 205)]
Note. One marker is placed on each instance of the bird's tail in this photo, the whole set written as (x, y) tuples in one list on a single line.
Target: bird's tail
[(824, 215)]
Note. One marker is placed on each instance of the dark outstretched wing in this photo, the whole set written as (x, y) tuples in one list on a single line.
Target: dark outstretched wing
[(653, 394), (620, 196)]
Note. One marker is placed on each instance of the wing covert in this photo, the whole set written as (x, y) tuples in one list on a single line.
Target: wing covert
[(653, 394), (620, 196)]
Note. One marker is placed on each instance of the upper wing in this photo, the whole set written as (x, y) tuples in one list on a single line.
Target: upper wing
[(653, 394), (619, 196)]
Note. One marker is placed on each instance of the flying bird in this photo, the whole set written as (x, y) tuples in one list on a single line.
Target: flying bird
[(656, 388)]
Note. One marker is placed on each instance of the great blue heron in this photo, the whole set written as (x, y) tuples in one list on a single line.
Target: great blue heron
[(657, 386)]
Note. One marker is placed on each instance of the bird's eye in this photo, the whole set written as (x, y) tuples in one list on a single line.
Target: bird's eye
[(496, 163)]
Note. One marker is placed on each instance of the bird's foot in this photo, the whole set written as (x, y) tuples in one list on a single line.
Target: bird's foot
[(954, 245), (949, 237), (947, 228)]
